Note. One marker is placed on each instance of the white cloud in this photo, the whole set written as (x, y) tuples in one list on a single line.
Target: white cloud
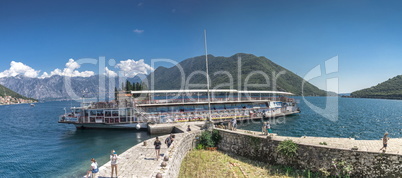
[(138, 31), (132, 68), (69, 71), (110, 73), (18, 68), (129, 67)]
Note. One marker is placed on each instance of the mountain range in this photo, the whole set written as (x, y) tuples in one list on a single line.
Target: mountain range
[(224, 70), (390, 89), (256, 73), (63, 88)]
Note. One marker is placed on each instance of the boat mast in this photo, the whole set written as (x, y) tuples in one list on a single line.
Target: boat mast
[(206, 64)]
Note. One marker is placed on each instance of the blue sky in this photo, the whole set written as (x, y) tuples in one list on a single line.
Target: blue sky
[(298, 35)]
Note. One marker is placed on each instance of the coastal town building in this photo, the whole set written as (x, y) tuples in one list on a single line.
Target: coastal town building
[(6, 100)]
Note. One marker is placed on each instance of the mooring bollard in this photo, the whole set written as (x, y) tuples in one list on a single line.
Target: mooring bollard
[(164, 164), (159, 175)]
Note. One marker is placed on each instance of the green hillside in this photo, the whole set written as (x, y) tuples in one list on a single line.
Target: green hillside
[(390, 89), (170, 78), (4, 91)]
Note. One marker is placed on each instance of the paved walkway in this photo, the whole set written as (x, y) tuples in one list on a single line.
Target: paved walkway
[(394, 144), (140, 161)]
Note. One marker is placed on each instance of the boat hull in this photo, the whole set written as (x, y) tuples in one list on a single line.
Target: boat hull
[(110, 126)]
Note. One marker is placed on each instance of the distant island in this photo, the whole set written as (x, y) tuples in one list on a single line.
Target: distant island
[(8, 96), (390, 89)]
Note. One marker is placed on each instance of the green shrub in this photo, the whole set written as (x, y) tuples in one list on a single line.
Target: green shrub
[(216, 138), (210, 139), (206, 139), (200, 147), (287, 148)]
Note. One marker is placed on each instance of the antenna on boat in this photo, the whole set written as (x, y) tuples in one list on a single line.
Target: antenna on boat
[(206, 64)]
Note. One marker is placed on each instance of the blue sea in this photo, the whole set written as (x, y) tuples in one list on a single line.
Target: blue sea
[(362, 119), (33, 144)]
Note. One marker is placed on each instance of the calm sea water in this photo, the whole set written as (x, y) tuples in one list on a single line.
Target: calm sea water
[(357, 118), (33, 144)]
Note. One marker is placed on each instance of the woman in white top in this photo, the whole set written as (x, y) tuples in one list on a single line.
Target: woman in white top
[(94, 167), (113, 162)]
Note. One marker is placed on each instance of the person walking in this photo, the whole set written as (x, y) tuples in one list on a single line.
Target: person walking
[(113, 162), (94, 167), (169, 140), (234, 124), (268, 127), (264, 128), (385, 142), (157, 144)]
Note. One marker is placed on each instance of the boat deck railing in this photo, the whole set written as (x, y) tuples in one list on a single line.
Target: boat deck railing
[(202, 100), (135, 101)]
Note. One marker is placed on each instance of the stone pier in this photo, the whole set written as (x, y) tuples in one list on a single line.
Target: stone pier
[(317, 153), (168, 128), (140, 161)]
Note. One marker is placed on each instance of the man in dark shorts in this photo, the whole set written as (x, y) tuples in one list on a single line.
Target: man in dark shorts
[(385, 142)]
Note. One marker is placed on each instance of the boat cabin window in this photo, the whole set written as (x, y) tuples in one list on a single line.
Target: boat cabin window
[(172, 108), (122, 112), (99, 112), (108, 113)]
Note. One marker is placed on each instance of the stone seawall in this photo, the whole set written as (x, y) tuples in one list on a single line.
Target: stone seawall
[(179, 149), (140, 160), (177, 155), (312, 157)]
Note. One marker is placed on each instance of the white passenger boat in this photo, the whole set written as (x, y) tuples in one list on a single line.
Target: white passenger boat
[(164, 106)]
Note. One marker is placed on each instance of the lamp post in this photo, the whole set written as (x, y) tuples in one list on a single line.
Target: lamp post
[(210, 125)]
